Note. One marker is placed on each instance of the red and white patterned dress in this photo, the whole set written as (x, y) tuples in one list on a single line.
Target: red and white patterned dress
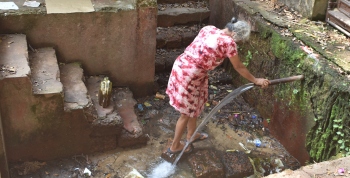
[(188, 81)]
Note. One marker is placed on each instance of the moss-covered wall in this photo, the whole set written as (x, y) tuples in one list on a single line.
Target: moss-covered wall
[(310, 117), (4, 172)]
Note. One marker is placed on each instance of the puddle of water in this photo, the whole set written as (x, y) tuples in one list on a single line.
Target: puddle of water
[(163, 170)]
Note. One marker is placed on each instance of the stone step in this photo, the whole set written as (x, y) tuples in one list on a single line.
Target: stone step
[(344, 7), (118, 118), (176, 36), (104, 116), (177, 1), (105, 121), (165, 59), (45, 71), (178, 16), (75, 91), (13, 56)]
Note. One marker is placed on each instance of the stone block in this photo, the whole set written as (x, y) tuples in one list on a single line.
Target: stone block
[(128, 139), (205, 163), (167, 156), (237, 165), (103, 143)]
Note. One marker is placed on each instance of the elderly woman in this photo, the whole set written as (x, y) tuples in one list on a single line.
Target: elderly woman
[(188, 83)]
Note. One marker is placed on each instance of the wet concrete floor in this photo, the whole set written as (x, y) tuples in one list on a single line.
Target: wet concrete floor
[(228, 130)]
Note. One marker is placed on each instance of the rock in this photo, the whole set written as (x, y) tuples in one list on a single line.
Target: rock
[(167, 156), (237, 165), (134, 174), (205, 163), (127, 139)]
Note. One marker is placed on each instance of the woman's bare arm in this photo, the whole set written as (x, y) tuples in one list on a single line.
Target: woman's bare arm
[(244, 72)]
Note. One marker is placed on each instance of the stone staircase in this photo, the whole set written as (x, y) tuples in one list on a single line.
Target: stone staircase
[(338, 15), (178, 23), (50, 110)]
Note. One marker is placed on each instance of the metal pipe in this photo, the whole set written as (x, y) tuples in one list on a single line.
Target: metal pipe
[(287, 79)]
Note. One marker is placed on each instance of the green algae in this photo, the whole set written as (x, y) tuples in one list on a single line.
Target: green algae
[(322, 98), (147, 3), (285, 50)]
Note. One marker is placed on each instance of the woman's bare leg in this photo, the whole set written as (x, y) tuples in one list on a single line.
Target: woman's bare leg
[(181, 124), (191, 127)]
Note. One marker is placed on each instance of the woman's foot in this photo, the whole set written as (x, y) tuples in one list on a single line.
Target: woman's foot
[(200, 136), (177, 149)]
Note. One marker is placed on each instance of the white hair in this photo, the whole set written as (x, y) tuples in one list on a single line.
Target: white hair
[(241, 29)]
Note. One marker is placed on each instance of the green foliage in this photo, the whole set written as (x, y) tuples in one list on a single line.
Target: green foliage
[(248, 57), (285, 50)]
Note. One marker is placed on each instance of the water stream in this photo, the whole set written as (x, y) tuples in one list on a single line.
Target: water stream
[(165, 169)]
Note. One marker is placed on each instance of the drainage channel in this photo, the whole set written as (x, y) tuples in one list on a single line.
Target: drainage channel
[(230, 131)]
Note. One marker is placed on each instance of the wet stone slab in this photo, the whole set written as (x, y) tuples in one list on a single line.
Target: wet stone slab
[(205, 163), (171, 157), (237, 165)]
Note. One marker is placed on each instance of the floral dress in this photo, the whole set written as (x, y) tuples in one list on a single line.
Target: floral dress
[(188, 82)]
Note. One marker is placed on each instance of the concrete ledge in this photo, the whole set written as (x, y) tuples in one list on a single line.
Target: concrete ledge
[(13, 56)]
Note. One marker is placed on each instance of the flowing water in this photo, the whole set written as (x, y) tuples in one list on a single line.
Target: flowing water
[(165, 169)]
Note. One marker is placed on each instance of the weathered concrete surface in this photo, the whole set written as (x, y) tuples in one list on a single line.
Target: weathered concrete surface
[(46, 131), (14, 56), (312, 9), (75, 91), (45, 74), (302, 115), (115, 41)]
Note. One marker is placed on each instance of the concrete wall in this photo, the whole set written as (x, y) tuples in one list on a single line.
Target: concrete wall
[(36, 127), (312, 9), (120, 44)]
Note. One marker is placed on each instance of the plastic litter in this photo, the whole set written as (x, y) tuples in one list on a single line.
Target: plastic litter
[(257, 143), (87, 171), (147, 104), (31, 4), (139, 106), (160, 96)]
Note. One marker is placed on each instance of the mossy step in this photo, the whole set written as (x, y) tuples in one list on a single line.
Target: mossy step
[(45, 71), (75, 91), (176, 36), (165, 59), (177, 16), (13, 56)]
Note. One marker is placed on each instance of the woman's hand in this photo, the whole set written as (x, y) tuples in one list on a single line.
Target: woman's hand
[(262, 82)]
